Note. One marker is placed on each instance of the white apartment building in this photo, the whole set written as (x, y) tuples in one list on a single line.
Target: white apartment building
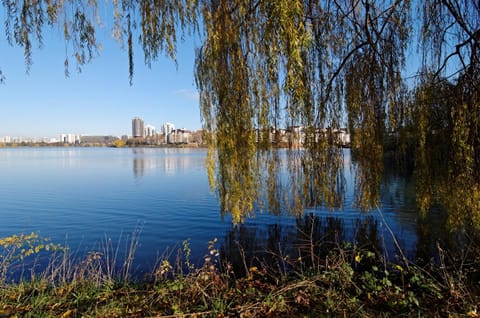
[(150, 131), (180, 136), (69, 138), (167, 129), (6, 139)]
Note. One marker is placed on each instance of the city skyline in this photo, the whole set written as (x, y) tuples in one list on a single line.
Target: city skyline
[(139, 128), (99, 100)]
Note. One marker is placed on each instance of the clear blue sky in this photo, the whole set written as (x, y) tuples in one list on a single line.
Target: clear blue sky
[(99, 100)]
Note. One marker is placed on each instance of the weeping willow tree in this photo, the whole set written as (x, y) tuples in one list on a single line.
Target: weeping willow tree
[(311, 63), (313, 67), (447, 111)]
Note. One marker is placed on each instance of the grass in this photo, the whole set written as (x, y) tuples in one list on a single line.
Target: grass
[(346, 281)]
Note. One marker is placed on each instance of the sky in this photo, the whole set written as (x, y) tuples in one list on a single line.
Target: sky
[(99, 100)]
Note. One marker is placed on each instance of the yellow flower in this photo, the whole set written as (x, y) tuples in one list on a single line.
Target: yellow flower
[(358, 258)]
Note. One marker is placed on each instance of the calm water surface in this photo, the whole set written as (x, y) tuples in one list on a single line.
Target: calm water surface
[(80, 196)]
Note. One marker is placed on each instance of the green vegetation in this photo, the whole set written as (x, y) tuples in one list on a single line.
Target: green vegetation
[(347, 281), (312, 64)]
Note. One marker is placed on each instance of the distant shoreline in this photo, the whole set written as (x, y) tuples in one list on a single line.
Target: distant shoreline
[(112, 145), (96, 145)]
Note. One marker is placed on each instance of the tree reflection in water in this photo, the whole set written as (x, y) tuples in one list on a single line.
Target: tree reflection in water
[(299, 246), (291, 181)]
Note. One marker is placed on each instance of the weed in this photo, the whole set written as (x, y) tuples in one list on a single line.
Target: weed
[(346, 281)]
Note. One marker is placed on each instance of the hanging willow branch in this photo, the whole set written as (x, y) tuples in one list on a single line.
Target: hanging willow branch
[(309, 66)]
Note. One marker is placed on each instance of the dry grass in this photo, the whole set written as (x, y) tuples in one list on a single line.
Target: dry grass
[(348, 281)]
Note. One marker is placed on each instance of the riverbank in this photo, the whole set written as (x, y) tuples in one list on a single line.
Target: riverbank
[(348, 281)]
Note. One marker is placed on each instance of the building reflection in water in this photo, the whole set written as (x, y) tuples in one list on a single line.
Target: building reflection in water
[(168, 161), (138, 166)]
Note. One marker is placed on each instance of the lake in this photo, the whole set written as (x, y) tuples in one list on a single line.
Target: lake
[(82, 197)]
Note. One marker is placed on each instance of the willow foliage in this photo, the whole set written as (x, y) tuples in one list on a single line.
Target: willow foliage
[(312, 67), (155, 23), (309, 63)]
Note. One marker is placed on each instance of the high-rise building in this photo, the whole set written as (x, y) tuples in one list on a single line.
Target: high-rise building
[(137, 128), (167, 129), (150, 131), (69, 138)]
